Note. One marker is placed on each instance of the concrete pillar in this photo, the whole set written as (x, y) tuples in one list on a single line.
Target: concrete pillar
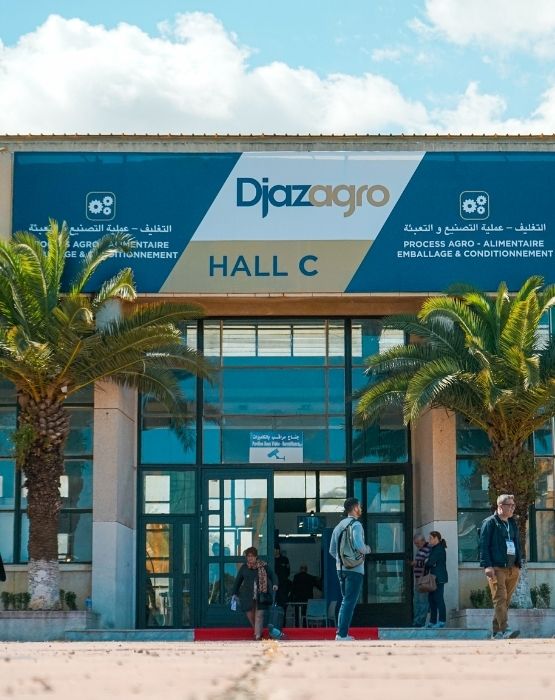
[(435, 487), (114, 519), (6, 179)]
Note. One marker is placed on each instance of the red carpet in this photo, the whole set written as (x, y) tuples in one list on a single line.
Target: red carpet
[(231, 634)]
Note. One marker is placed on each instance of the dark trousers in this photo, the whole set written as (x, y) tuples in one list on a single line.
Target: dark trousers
[(437, 605), (350, 583)]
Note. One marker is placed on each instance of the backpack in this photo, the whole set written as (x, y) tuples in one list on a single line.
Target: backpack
[(349, 555)]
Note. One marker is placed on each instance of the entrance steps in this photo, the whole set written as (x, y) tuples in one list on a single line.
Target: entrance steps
[(230, 634)]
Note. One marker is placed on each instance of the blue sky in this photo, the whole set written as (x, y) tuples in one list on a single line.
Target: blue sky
[(244, 66)]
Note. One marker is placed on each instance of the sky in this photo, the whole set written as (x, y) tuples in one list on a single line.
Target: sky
[(288, 67)]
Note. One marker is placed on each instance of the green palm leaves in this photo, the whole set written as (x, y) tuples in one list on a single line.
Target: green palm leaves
[(50, 340), (480, 355)]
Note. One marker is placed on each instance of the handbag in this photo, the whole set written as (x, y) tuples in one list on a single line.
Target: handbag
[(265, 598), (426, 583)]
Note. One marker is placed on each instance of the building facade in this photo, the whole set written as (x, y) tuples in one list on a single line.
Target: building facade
[(295, 248)]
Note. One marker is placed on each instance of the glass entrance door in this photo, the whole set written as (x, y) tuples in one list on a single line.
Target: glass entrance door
[(166, 594), (239, 515), (386, 498)]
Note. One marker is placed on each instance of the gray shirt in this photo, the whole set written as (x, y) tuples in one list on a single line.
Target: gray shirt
[(358, 539)]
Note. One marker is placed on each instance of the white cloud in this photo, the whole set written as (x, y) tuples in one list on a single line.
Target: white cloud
[(71, 77), (526, 25), (386, 54)]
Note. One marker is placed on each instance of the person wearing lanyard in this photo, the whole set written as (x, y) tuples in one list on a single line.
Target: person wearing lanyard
[(501, 559)]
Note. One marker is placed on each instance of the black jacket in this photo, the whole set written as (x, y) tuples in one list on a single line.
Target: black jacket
[(436, 563), (493, 539), (244, 586)]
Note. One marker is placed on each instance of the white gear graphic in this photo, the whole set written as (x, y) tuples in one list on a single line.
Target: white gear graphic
[(95, 206), (481, 200), (107, 211), (481, 210), (108, 201), (469, 206)]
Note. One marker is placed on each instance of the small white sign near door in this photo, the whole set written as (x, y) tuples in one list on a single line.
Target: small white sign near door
[(277, 447)]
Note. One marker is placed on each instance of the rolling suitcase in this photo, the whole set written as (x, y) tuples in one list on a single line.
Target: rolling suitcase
[(275, 620)]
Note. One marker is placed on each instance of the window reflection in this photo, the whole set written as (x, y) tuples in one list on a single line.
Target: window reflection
[(386, 581), (171, 492)]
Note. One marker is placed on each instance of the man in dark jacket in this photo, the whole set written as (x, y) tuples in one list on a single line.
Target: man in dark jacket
[(501, 558)]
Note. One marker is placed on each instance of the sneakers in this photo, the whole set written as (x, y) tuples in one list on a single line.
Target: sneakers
[(347, 638), (507, 634), (438, 625)]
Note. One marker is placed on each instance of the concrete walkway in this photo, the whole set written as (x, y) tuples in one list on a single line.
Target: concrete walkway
[(279, 671)]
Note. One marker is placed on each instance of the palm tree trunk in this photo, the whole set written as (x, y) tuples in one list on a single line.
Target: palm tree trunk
[(46, 423)]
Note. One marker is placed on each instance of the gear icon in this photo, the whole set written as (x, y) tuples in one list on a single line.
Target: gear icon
[(481, 210), (481, 200), (95, 206), (469, 206), (107, 211), (108, 200)]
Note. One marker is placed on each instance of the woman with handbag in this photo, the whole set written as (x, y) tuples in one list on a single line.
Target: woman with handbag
[(253, 589), (436, 564)]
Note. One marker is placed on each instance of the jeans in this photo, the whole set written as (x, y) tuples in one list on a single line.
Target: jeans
[(437, 605), (421, 607), (350, 583)]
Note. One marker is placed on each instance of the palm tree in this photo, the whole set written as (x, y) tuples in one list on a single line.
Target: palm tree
[(483, 357), (52, 345)]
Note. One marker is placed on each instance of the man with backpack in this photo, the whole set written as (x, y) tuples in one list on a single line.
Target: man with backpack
[(348, 549)]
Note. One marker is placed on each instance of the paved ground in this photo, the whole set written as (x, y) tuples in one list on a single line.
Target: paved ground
[(279, 671)]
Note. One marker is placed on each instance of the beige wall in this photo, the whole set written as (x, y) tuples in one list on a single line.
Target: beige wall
[(5, 193)]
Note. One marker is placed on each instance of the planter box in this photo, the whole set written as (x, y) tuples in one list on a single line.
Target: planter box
[(531, 623), (43, 625)]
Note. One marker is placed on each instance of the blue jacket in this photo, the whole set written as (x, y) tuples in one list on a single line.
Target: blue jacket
[(493, 539)]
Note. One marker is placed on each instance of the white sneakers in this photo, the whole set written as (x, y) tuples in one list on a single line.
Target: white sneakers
[(507, 634), (348, 638)]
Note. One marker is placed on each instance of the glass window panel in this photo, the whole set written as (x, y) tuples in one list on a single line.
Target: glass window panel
[(294, 484), (309, 341), (238, 341), (386, 581), (333, 485), (80, 438), (85, 395), (369, 339), (7, 429), (385, 536), (214, 584), (7, 392), (386, 441), (469, 524), (471, 440), (336, 340), (212, 339), (545, 534), (385, 494), (161, 445), (544, 496), (543, 440), (214, 488), (245, 515), (186, 581), (279, 391), (7, 484), (329, 505), (75, 537), (160, 592), (274, 341), (171, 492), (472, 485), (158, 547), (6, 536), (78, 483)]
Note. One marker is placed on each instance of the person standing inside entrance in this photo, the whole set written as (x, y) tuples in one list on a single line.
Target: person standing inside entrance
[(350, 580), (501, 558), (253, 589), (421, 603)]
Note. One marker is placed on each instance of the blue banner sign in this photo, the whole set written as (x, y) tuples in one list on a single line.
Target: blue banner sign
[(354, 222)]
